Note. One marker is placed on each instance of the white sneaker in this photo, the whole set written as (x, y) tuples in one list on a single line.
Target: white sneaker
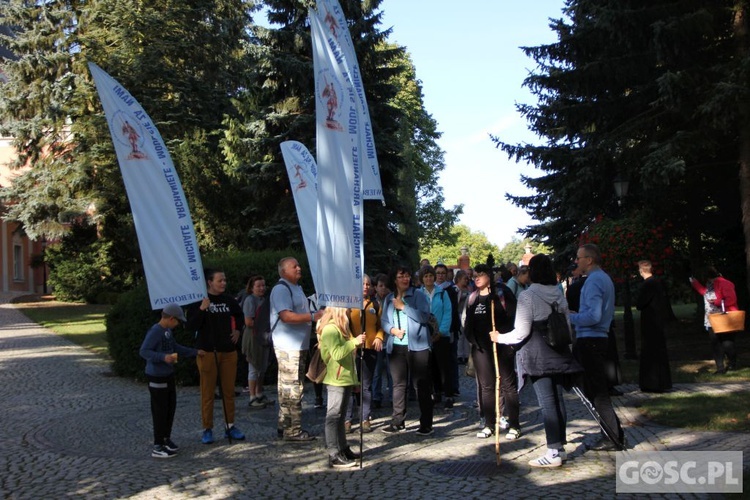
[(546, 462)]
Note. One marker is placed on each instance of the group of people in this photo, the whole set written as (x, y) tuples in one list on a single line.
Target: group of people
[(410, 332)]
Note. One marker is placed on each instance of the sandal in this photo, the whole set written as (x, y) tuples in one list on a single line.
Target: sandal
[(484, 433), (513, 434)]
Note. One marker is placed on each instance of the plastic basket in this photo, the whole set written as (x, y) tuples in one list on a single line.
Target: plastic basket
[(730, 321)]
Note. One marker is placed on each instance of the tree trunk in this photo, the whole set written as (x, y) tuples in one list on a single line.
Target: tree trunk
[(740, 27)]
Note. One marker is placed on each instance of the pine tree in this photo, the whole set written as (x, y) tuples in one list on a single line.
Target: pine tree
[(622, 94)]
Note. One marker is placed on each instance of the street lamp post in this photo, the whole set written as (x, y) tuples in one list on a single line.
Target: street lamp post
[(44, 266), (621, 191)]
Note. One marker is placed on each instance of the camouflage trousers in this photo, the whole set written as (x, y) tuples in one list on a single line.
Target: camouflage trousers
[(290, 387)]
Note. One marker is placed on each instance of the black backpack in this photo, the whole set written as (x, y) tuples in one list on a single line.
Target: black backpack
[(262, 320), (555, 328)]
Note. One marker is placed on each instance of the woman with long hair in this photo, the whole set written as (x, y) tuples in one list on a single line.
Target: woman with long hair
[(549, 369), (369, 351), (338, 349), (405, 314), (479, 324)]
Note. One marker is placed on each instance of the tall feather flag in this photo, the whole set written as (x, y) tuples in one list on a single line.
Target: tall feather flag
[(339, 223), (169, 250), (303, 178), (332, 18)]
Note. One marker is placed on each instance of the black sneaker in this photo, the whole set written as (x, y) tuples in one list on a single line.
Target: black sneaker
[(339, 461), (351, 455), (424, 432), (301, 437), (160, 451), (604, 444), (170, 445), (393, 429)]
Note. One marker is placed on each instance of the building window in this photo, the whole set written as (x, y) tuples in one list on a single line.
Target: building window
[(17, 262)]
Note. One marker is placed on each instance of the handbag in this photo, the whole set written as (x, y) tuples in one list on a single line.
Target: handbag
[(316, 370), (729, 321)]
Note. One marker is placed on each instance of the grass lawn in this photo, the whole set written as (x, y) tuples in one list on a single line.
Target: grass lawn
[(82, 324), (690, 355), (711, 412), (691, 360)]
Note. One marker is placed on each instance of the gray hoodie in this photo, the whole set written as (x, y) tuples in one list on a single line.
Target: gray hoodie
[(534, 357), (534, 305)]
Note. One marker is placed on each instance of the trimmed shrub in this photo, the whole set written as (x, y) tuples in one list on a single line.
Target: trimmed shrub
[(83, 267), (132, 316), (127, 323), (239, 266)]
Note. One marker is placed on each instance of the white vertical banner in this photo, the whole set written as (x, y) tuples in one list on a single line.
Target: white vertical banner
[(339, 235), (337, 31), (303, 179), (169, 250)]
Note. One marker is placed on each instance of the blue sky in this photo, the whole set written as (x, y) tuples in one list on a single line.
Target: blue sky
[(468, 58)]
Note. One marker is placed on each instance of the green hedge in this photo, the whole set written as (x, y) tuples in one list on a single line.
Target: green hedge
[(131, 317)]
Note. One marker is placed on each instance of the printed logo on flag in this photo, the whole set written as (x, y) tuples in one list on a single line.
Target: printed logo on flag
[(328, 92), (332, 23), (131, 136), (299, 177)]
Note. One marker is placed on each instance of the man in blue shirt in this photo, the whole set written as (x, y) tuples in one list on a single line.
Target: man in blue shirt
[(592, 322), (291, 321)]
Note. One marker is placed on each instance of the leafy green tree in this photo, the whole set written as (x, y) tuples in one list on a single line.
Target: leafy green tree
[(448, 252), (425, 158), (516, 248), (179, 61)]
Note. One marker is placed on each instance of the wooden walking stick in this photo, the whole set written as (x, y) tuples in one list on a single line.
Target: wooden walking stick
[(497, 385), (362, 386)]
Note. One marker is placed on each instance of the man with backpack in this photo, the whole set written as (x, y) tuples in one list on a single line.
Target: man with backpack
[(291, 321)]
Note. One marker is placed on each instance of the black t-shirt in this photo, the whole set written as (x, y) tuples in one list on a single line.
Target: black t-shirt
[(479, 322)]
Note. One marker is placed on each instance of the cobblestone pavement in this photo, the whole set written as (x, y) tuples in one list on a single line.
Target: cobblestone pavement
[(70, 429)]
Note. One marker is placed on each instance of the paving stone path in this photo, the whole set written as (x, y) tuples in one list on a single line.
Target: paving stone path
[(70, 429)]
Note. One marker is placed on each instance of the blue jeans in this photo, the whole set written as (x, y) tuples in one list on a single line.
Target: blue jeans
[(338, 397), (549, 393), (381, 368), (369, 358)]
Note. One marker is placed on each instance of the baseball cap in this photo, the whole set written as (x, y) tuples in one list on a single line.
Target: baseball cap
[(174, 310)]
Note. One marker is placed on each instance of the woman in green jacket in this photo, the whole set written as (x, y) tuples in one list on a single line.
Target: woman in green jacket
[(338, 349)]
